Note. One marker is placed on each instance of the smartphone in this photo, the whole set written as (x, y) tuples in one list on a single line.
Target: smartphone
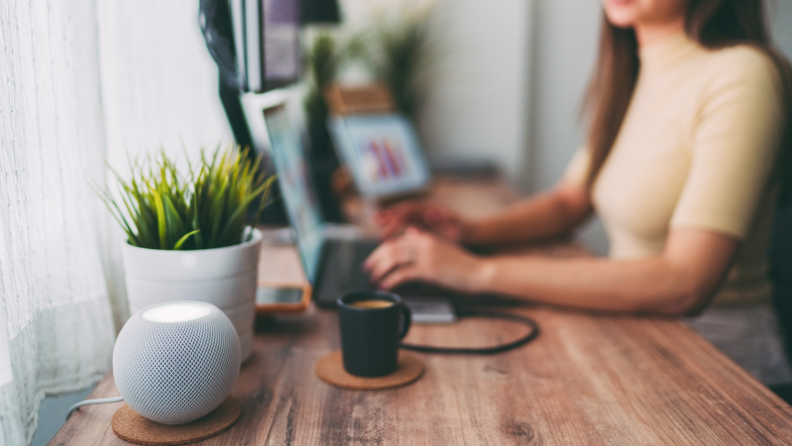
[(282, 298)]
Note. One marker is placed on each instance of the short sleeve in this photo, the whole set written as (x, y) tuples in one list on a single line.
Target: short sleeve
[(735, 138), (577, 169)]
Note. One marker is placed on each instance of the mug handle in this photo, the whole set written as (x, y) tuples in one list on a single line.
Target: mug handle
[(406, 320)]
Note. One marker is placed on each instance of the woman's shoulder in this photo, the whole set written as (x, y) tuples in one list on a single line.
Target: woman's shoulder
[(742, 63)]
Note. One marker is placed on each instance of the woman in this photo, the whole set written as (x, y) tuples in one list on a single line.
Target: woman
[(684, 160)]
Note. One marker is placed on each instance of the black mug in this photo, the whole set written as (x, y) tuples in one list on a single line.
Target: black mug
[(372, 324)]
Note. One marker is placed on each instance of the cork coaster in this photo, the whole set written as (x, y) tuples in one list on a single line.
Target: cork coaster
[(330, 368), (130, 426)]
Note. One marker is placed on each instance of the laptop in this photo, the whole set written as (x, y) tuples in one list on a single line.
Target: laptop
[(382, 153), (332, 265)]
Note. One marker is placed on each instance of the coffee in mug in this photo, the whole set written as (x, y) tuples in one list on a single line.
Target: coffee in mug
[(372, 323), (373, 303)]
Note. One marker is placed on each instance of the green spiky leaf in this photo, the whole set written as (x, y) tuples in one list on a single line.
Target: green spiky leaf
[(208, 206)]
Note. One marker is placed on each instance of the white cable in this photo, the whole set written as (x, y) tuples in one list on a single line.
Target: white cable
[(96, 401)]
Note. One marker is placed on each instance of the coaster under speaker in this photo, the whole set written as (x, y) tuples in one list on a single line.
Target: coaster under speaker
[(128, 425)]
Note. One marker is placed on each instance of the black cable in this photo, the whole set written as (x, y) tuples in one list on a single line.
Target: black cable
[(479, 313)]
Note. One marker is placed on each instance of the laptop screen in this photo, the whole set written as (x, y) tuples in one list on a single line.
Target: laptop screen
[(382, 151), (295, 184)]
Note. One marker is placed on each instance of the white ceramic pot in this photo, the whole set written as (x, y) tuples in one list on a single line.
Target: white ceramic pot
[(223, 277)]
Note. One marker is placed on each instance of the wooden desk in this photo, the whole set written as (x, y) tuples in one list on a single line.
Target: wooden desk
[(587, 380)]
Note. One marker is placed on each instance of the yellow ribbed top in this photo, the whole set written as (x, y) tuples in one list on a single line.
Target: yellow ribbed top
[(696, 149)]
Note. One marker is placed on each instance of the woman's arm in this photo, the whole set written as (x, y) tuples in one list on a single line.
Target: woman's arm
[(543, 215), (679, 281)]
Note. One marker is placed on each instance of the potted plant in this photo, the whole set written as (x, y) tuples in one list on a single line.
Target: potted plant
[(191, 237), (400, 56)]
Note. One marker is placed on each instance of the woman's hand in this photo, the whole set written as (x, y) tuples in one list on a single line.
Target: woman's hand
[(420, 256), (427, 216)]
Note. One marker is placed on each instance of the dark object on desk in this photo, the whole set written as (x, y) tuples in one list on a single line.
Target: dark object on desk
[(370, 334), (129, 426)]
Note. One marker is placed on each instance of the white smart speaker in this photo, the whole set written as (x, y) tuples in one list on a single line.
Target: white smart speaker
[(175, 362)]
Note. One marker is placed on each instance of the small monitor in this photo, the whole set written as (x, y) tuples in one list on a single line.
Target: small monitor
[(382, 152)]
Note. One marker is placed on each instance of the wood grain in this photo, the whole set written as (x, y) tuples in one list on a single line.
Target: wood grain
[(588, 379)]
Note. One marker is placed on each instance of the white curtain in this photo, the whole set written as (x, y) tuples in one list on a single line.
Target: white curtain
[(58, 331), (81, 82)]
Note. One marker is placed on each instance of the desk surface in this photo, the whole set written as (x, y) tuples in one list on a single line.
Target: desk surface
[(588, 379)]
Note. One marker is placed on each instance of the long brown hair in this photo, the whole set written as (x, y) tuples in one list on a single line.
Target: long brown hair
[(713, 24)]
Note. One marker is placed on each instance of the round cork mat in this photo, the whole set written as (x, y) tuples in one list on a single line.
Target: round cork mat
[(134, 428), (330, 368)]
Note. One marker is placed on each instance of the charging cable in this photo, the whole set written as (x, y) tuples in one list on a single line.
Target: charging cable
[(116, 399), (488, 314)]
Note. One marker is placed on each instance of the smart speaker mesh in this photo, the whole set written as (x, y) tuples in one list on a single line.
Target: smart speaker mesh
[(176, 372)]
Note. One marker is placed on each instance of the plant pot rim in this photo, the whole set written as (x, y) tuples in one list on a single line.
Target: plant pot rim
[(257, 237)]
